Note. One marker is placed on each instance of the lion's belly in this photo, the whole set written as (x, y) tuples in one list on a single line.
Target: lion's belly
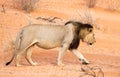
[(48, 44)]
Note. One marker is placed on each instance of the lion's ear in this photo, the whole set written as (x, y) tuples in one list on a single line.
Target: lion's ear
[(90, 29)]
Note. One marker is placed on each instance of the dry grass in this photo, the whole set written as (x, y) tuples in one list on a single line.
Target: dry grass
[(113, 5), (3, 8), (49, 19), (7, 42), (10, 45), (86, 16), (90, 3), (27, 5), (94, 71)]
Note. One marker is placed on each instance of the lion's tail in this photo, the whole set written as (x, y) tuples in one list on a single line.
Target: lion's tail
[(19, 35)]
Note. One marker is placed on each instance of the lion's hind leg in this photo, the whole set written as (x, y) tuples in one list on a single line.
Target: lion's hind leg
[(23, 48), (28, 56), (18, 56)]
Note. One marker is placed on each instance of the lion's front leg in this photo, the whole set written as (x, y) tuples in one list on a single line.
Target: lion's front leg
[(61, 54), (80, 56)]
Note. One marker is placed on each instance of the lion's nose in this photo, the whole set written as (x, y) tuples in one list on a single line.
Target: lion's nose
[(90, 43)]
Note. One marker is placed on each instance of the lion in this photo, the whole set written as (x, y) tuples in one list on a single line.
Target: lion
[(66, 37)]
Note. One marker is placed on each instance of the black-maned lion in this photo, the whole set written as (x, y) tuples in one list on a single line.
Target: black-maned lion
[(67, 37)]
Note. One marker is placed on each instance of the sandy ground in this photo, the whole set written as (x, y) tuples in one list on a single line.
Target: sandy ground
[(105, 53)]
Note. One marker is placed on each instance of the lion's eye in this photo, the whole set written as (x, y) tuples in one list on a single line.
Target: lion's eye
[(90, 30)]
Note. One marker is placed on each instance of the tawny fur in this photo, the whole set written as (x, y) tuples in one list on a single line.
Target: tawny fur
[(51, 36)]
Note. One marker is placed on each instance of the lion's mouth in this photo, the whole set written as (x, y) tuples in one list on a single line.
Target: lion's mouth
[(87, 42)]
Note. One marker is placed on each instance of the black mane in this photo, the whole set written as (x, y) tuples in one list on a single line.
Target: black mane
[(76, 40), (75, 23)]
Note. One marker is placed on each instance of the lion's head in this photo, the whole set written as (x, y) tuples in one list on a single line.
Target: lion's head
[(86, 34)]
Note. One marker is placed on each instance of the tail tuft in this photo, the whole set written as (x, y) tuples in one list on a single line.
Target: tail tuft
[(8, 63)]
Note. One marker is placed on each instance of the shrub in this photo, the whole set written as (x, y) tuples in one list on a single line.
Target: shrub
[(27, 5), (113, 5), (90, 3), (86, 16)]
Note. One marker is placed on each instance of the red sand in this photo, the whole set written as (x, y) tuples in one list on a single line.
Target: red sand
[(105, 53)]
